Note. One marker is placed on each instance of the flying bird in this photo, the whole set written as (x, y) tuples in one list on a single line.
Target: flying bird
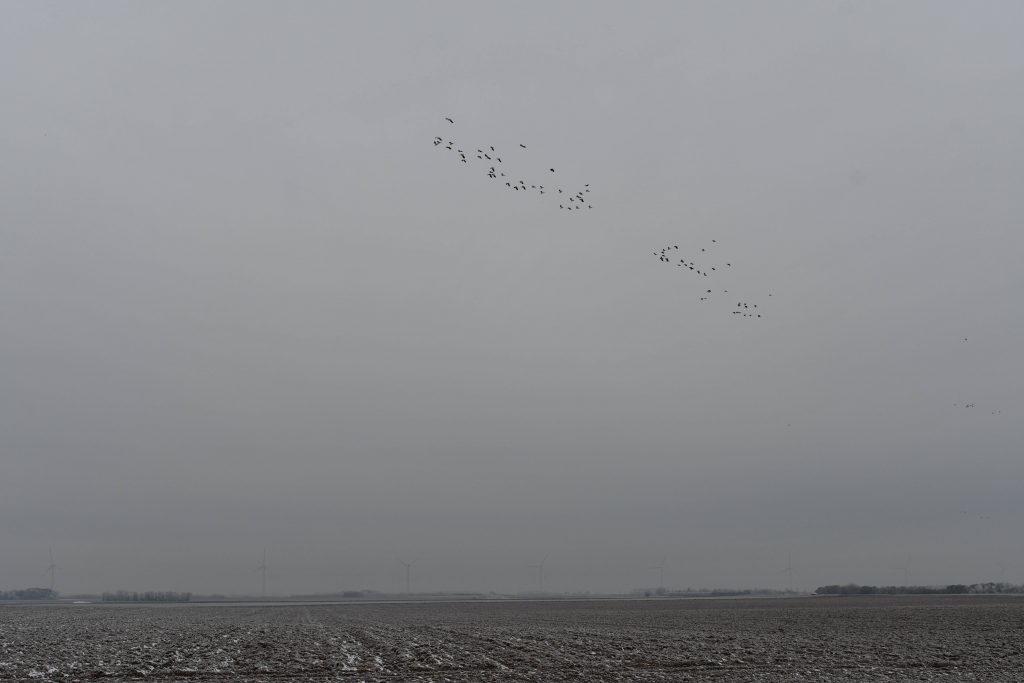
[(448, 120)]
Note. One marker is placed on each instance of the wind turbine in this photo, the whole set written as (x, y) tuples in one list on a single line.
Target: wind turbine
[(906, 571), (540, 572), (53, 571), (408, 569), (262, 568), (789, 569), (661, 572)]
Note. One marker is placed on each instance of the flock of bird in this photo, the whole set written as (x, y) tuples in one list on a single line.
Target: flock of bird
[(975, 405), (972, 405), (498, 169), (700, 268)]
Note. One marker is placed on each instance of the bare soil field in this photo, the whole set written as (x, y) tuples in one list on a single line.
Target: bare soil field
[(935, 638)]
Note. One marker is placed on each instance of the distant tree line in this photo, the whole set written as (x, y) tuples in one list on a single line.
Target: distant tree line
[(952, 589), (29, 594), (146, 596)]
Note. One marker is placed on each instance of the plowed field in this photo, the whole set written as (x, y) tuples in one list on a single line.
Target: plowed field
[(807, 639)]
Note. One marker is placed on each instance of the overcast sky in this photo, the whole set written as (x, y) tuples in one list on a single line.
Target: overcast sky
[(247, 304)]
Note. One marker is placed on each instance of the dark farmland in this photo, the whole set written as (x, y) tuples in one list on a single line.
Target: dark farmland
[(978, 638)]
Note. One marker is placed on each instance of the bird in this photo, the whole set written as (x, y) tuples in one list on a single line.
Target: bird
[(448, 120), (552, 170), (522, 145)]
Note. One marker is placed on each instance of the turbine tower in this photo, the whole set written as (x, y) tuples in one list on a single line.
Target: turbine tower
[(53, 571), (540, 572), (661, 571), (408, 571), (906, 571), (789, 569), (262, 569)]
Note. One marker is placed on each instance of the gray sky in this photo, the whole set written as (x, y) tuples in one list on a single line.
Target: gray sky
[(246, 303)]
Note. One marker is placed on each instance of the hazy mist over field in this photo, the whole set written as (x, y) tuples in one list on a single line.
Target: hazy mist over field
[(247, 304)]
